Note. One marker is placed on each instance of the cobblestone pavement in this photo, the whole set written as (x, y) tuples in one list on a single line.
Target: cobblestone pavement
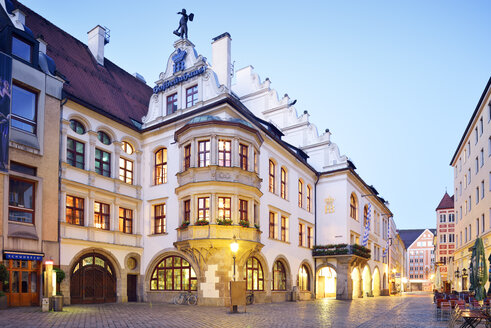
[(395, 311)]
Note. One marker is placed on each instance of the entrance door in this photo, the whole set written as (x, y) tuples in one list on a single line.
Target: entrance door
[(321, 286), (131, 287), (92, 281), (22, 287)]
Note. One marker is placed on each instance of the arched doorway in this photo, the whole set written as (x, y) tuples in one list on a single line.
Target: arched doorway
[(376, 282), (356, 278), (92, 280), (367, 281), (326, 282)]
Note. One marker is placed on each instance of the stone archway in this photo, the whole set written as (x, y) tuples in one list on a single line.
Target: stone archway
[(326, 282), (376, 282), (356, 278), (366, 277)]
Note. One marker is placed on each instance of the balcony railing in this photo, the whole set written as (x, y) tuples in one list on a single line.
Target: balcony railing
[(341, 249), (215, 231)]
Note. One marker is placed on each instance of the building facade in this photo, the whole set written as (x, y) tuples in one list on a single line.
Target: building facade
[(445, 239), (157, 183), (472, 172)]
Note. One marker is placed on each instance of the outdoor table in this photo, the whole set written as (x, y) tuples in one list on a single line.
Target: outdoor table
[(472, 318)]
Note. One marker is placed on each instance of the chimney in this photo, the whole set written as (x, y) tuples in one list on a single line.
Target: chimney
[(221, 59), (42, 45), (20, 16), (98, 37)]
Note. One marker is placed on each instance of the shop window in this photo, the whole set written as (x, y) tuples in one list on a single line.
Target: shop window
[(244, 157), (101, 215), (254, 274), (77, 127), (21, 200), (104, 137), (174, 273), (160, 218), (21, 49), (125, 220), (203, 153), (125, 170), (102, 162), (191, 96), (24, 114), (75, 153), (171, 103), (279, 276), (224, 153), (74, 210), (304, 278), (160, 166)]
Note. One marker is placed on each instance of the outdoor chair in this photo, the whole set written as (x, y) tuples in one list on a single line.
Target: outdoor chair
[(445, 310), (455, 317)]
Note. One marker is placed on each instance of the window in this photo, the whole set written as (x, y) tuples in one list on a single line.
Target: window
[(161, 166), (477, 136), (187, 157), (203, 153), (243, 204), (283, 183), (451, 217), (477, 165), (480, 127), (365, 216), (125, 220), (224, 153), (483, 223), (191, 96), (125, 170), (303, 278), (279, 276), (243, 157), (482, 189), (77, 127), (272, 169), (481, 155), (477, 195), (272, 220), (21, 49), (101, 215), (354, 207), (174, 273), (23, 109), (75, 153), (187, 210), (102, 162), (310, 237), (103, 137), (469, 177), (224, 210), (21, 168), (127, 147), (204, 208), (254, 274), (21, 200), (309, 198), (159, 218), (74, 210), (301, 228), (256, 164), (171, 103), (470, 204), (477, 227), (284, 228), (300, 193)]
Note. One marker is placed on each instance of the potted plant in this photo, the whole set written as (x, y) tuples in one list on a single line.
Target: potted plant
[(4, 276), (184, 225), (202, 222), (244, 223), (58, 299), (226, 222)]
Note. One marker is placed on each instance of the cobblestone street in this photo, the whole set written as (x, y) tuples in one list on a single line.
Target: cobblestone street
[(404, 311)]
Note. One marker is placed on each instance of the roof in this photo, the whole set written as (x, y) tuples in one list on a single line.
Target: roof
[(488, 85), (446, 202), (107, 89), (408, 236)]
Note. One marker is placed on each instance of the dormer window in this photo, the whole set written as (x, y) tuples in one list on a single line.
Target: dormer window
[(171, 103), (21, 49), (191, 96)]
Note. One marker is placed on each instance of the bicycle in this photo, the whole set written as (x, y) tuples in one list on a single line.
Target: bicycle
[(185, 298), (250, 298)]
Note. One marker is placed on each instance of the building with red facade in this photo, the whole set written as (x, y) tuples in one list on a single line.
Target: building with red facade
[(445, 238)]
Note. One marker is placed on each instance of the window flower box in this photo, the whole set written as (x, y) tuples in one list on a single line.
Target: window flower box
[(202, 222), (244, 223), (184, 225), (227, 222)]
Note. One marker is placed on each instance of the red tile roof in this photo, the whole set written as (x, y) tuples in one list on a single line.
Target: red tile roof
[(106, 89), (446, 202)]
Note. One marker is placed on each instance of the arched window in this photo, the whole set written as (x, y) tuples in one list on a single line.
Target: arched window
[(161, 166), (77, 126), (283, 183), (104, 137), (353, 208), (279, 276), (304, 278), (127, 147), (309, 198), (300, 193), (365, 215), (173, 273), (272, 182), (254, 274)]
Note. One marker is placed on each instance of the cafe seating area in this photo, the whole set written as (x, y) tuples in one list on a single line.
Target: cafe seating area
[(462, 309)]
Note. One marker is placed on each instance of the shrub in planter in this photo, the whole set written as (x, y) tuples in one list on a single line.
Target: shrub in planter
[(244, 223), (202, 223), (226, 222), (184, 225), (60, 275)]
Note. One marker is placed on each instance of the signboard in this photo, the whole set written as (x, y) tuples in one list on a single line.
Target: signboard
[(238, 293), (22, 256), (167, 84), (5, 101)]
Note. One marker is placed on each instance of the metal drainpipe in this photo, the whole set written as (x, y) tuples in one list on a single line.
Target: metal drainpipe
[(62, 103), (315, 234)]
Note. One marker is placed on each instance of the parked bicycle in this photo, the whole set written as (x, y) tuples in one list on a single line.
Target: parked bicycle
[(186, 298), (250, 298)]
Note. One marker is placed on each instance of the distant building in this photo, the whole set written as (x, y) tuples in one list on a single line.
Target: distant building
[(420, 258), (445, 238)]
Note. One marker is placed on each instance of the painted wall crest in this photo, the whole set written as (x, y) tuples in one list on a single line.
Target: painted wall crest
[(178, 59)]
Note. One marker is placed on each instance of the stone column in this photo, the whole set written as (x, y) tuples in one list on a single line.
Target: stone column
[(344, 284)]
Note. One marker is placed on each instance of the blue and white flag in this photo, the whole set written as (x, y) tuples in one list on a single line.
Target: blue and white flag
[(367, 226), (388, 235)]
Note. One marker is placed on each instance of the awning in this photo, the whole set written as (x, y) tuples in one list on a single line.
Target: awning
[(12, 255)]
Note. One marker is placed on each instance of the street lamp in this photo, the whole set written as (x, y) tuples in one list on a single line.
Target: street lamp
[(234, 247)]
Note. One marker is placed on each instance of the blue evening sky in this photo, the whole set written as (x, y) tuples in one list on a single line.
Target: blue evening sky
[(395, 81)]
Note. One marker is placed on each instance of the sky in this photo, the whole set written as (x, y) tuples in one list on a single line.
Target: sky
[(396, 82)]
